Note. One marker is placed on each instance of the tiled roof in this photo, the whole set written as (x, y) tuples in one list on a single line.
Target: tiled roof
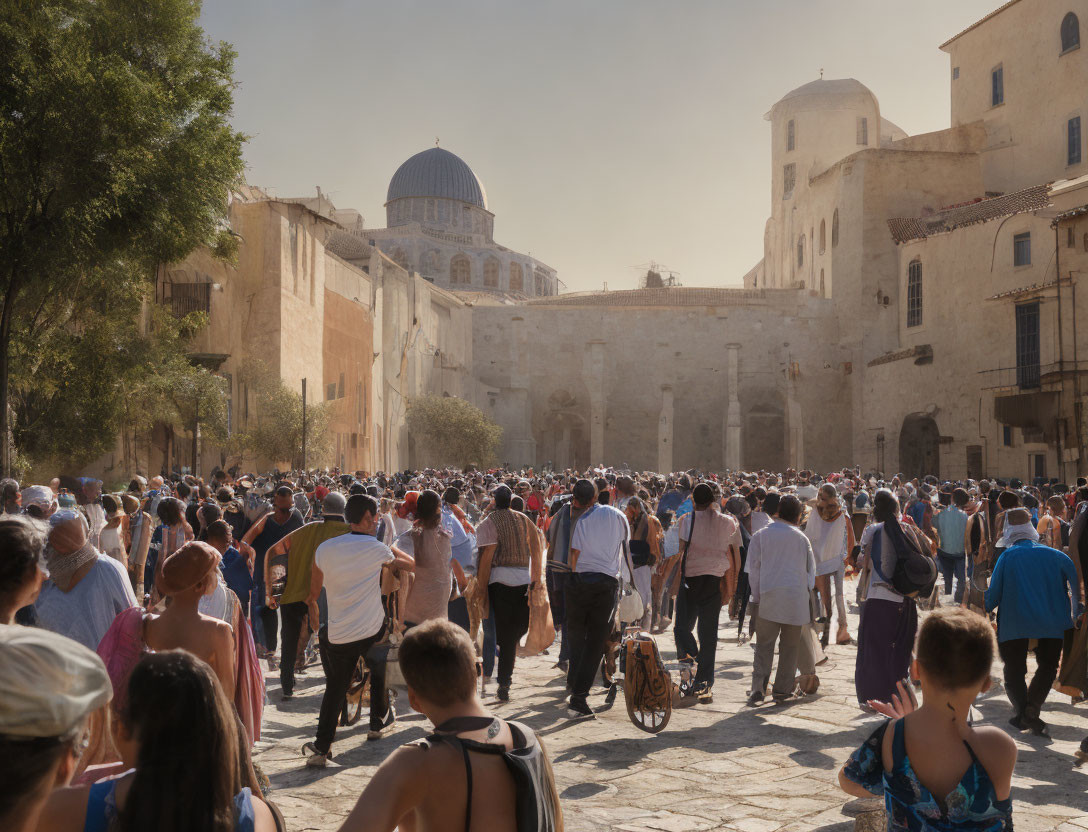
[(668, 296), (905, 229), (978, 23)]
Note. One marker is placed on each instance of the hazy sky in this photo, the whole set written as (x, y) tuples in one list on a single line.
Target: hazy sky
[(607, 133)]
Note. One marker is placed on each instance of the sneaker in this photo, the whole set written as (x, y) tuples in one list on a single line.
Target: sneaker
[(578, 708), (503, 693), (315, 758), (389, 721)]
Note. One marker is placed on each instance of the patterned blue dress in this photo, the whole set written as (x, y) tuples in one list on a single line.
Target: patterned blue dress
[(971, 807)]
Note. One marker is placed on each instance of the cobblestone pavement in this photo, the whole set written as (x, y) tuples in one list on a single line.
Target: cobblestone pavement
[(717, 766)]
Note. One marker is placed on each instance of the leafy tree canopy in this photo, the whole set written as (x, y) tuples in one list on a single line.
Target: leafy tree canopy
[(451, 431)]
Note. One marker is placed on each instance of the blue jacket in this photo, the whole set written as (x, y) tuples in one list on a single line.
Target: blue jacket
[(1030, 588)]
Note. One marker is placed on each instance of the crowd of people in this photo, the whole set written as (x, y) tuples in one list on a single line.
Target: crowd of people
[(111, 599)]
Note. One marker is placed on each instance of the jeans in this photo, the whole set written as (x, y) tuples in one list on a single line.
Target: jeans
[(699, 601), (457, 613), (788, 637), (339, 662), (291, 618), (557, 587), (1027, 698), (952, 566), (264, 619), (510, 606), (591, 600)]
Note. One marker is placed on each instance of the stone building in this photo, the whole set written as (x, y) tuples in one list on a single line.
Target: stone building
[(915, 309), (439, 226)]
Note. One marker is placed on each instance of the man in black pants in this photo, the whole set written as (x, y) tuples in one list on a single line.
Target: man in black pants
[(349, 567), (596, 552)]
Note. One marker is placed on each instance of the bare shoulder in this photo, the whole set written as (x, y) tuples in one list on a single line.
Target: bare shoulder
[(994, 748), (66, 808)]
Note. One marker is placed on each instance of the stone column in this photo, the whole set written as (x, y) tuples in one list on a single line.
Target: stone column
[(664, 432), (598, 406), (795, 428), (732, 410)]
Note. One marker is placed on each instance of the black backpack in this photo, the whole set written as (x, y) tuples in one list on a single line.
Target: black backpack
[(536, 803), (915, 572)]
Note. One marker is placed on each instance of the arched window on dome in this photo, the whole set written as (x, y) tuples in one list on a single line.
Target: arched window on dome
[(791, 136), (823, 236), (491, 273), (516, 282), (801, 251), (460, 270), (1070, 33), (835, 228)]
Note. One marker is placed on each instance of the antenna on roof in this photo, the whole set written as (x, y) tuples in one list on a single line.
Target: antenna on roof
[(436, 139), (821, 73)]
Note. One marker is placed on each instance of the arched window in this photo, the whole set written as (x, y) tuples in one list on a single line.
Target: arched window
[(1070, 32), (516, 284), (823, 286), (823, 236), (835, 229), (460, 270), (791, 136), (801, 251), (914, 293), (491, 273)]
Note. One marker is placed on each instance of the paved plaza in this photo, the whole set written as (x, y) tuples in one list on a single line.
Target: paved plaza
[(718, 766)]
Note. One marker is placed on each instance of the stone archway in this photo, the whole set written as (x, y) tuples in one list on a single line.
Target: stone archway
[(765, 444), (919, 446)]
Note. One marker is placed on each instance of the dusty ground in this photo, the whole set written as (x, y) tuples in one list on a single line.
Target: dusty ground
[(718, 766)]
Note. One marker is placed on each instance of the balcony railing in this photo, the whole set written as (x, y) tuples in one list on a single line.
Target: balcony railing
[(1026, 377), (183, 298)]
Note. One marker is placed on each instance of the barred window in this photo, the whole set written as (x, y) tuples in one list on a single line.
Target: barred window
[(914, 293), (789, 179), (460, 270), (1073, 130), (863, 131), (997, 93)]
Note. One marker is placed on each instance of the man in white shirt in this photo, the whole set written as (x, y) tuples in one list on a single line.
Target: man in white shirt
[(349, 567), (782, 573), (596, 554)]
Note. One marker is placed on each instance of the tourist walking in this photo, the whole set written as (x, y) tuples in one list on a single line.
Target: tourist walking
[(781, 574), (832, 537)]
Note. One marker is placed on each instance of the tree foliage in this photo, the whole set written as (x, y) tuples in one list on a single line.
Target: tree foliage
[(275, 433), (451, 431), (116, 155)]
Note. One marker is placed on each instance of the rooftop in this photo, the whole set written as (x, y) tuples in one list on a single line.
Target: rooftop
[(978, 23), (668, 296), (905, 229)]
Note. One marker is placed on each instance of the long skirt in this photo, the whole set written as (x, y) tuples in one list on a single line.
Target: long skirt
[(885, 646)]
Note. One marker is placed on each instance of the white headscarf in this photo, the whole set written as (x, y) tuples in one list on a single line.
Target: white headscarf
[(1023, 531)]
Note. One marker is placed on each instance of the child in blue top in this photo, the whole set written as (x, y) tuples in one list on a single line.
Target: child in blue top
[(934, 770)]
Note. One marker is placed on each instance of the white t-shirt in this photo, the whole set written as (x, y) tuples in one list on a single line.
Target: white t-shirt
[(352, 566)]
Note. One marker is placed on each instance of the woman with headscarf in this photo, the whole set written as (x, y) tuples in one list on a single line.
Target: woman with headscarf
[(889, 620)]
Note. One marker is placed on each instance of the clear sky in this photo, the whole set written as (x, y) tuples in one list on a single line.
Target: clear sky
[(608, 133)]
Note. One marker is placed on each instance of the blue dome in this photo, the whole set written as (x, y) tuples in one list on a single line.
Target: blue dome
[(437, 173)]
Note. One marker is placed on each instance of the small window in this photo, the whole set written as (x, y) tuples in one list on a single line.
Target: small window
[(791, 136), (460, 270), (1070, 33), (789, 179), (955, 73), (1071, 238), (823, 236), (997, 92), (330, 392), (1021, 250), (1006, 436), (1073, 131), (340, 388), (914, 293), (801, 251), (863, 131), (835, 229)]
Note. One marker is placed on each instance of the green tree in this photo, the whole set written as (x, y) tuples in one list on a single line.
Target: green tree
[(116, 155), (275, 433), (451, 431)]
